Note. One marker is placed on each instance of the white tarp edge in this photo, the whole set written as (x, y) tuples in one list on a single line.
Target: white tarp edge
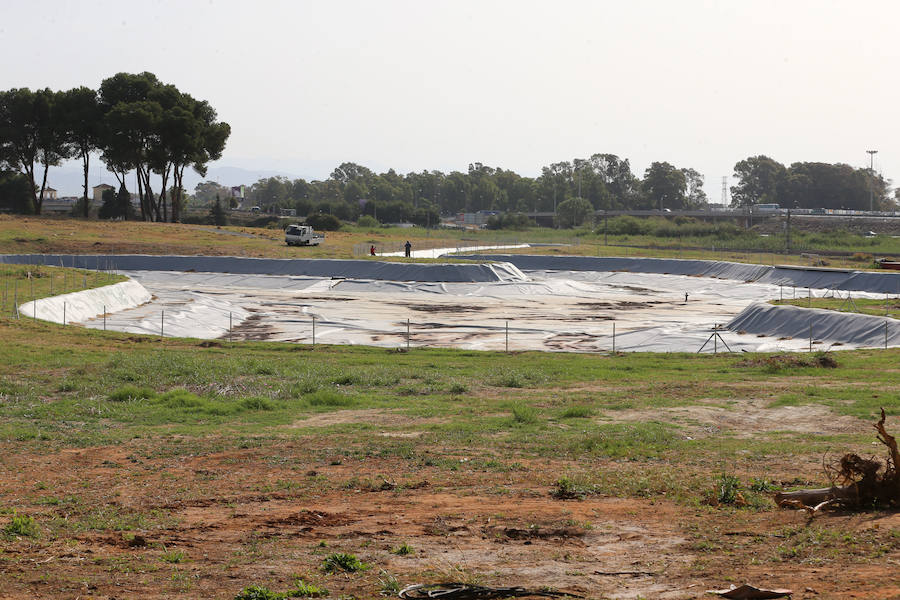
[(87, 304)]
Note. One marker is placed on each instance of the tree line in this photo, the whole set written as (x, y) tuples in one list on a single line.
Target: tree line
[(571, 190), (601, 182), (135, 122), (762, 180)]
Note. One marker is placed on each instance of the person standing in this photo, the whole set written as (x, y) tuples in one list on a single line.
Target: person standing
[(408, 247), (372, 250)]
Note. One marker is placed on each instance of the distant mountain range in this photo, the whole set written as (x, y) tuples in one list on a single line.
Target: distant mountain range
[(68, 179)]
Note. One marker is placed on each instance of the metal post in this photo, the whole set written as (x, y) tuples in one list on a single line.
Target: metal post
[(51, 283), (614, 337), (314, 330), (507, 336), (162, 324), (104, 317), (715, 338), (64, 313), (810, 335), (84, 282), (407, 335), (229, 326), (885, 335), (781, 292), (809, 296), (885, 305)]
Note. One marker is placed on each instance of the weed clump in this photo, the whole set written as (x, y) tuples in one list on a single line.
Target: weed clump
[(130, 393), (524, 414), (403, 549), (783, 362), (21, 525), (567, 488), (339, 561), (303, 590)]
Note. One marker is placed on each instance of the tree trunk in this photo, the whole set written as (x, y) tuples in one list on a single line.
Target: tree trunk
[(87, 157), (40, 200), (814, 496)]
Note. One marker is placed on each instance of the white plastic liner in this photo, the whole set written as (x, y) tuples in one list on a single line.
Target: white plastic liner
[(84, 305), (811, 277)]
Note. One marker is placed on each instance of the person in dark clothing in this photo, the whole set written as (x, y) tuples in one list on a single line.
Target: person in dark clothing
[(372, 250), (408, 247)]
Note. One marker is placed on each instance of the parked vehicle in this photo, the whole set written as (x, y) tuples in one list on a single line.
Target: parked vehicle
[(302, 235)]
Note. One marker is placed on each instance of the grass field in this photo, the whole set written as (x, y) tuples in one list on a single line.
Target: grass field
[(132, 466), (62, 235), (183, 468)]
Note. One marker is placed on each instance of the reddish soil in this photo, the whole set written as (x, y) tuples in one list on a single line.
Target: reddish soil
[(109, 517)]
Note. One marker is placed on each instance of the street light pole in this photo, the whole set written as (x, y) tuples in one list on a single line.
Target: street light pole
[(871, 154)]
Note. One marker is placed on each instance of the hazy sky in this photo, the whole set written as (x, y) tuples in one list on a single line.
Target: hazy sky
[(424, 84)]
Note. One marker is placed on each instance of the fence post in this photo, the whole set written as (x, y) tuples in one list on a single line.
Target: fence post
[(104, 317), (51, 283), (781, 292), (885, 335), (507, 337), (810, 335), (162, 324), (614, 337), (715, 338), (407, 334), (809, 297), (314, 330), (229, 326)]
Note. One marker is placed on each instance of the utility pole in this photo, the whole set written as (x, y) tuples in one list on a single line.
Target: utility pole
[(724, 191), (871, 154)]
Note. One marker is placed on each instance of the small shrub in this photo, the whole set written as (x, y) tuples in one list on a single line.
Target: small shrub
[(306, 590), (340, 561), (129, 393), (258, 592), (403, 549), (257, 403), (174, 556), (728, 489), (577, 412), (390, 586), (21, 525), (567, 488), (457, 388), (323, 222), (524, 414), (367, 221)]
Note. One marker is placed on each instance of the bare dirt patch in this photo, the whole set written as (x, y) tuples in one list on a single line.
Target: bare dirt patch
[(744, 419), (130, 521)]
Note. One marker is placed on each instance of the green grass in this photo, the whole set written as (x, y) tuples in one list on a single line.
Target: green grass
[(343, 562), (888, 307), (71, 387), (23, 283)]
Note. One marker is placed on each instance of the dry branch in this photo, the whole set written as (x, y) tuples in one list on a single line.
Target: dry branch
[(863, 481)]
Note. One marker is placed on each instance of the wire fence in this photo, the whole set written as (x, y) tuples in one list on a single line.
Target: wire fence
[(408, 334), (22, 284)]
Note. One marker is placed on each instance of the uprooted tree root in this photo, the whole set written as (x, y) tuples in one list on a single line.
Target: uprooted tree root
[(856, 482)]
